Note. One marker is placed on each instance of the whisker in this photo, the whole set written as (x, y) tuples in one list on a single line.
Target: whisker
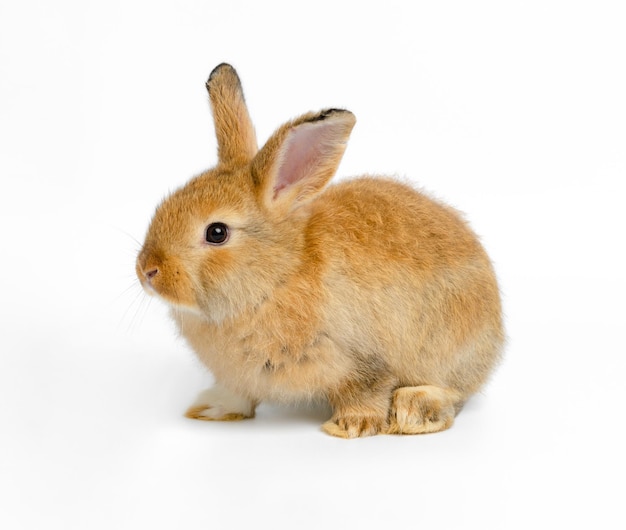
[(140, 312), (134, 305), (146, 302), (133, 285), (129, 235), (137, 306)]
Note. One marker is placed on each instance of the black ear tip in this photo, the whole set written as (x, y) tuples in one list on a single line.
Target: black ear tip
[(218, 69), (326, 113)]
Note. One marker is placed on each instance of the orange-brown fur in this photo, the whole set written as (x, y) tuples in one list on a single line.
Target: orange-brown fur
[(367, 293)]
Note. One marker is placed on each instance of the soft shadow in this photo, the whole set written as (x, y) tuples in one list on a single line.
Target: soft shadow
[(307, 413)]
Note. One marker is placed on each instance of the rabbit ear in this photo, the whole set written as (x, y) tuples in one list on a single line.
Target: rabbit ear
[(236, 140), (301, 157)]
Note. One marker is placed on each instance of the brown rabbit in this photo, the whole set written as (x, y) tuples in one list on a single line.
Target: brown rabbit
[(367, 293)]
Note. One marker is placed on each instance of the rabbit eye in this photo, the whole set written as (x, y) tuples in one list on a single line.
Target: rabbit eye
[(216, 233)]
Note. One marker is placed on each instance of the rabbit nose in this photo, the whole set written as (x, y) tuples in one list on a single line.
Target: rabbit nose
[(151, 274)]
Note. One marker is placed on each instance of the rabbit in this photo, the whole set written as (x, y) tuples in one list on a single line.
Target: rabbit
[(366, 294)]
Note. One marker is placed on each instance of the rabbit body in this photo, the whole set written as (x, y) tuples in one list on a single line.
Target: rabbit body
[(367, 293)]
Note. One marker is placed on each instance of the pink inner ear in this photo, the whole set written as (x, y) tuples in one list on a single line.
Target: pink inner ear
[(302, 151)]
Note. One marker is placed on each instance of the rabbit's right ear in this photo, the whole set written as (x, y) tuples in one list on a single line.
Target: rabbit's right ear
[(236, 139)]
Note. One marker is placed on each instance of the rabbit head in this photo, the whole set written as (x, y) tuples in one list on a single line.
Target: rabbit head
[(225, 240)]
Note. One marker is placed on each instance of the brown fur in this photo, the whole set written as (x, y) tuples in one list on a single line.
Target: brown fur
[(367, 293)]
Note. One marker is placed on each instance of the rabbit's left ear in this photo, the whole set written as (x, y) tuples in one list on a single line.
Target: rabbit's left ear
[(236, 139), (301, 157)]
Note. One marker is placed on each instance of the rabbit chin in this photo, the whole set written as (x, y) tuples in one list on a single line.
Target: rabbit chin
[(175, 307), (216, 310), (178, 310)]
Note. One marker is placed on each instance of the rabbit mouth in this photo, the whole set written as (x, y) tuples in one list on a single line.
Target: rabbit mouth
[(175, 304), (147, 287)]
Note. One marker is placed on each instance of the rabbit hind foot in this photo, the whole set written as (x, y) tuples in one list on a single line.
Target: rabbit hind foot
[(423, 409)]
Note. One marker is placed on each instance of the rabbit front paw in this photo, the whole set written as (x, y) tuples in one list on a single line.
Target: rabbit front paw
[(354, 426), (220, 404)]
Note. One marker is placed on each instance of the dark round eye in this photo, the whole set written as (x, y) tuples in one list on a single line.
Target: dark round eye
[(216, 233)]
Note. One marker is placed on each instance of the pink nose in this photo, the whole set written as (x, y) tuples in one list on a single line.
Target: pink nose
[(151, 274)]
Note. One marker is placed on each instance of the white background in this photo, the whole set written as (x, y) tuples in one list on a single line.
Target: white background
[(514, 112)]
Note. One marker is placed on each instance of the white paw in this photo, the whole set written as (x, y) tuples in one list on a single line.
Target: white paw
[(220, 404)]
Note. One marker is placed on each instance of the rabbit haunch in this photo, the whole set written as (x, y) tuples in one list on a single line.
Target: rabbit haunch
[(366, 293)]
